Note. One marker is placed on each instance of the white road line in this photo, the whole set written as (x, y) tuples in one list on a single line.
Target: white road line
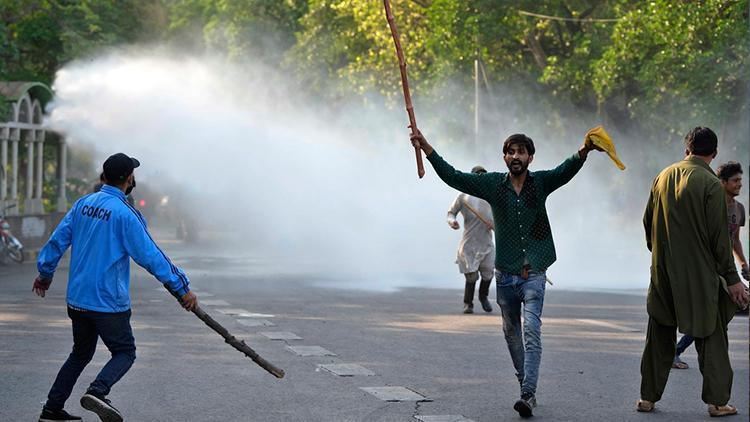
[(606, 324)]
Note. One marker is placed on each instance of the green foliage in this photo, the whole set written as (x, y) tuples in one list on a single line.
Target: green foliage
[(345, 45), (659, 67), (686, 59), (39, 36), (652, 69), (240, 29)]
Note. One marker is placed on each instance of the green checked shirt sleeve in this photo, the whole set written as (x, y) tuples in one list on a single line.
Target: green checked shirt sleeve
[(522, 230), (480, 185)]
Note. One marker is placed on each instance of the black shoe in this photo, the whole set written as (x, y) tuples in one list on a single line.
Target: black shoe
[(485, 304), (532, 401), (101, 406), (57, 415), (468, 308), (525, 405), (484, 291)]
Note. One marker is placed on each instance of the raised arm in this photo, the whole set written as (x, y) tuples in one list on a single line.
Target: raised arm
[(479, 185), (562, 174), (555, 178)]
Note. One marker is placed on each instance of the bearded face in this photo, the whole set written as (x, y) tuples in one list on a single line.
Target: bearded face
[(517, 159)]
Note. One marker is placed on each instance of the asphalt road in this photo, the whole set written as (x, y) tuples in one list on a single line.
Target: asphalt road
[(414, 338)]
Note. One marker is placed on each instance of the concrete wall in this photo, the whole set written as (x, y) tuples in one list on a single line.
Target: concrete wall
[(34, 230)]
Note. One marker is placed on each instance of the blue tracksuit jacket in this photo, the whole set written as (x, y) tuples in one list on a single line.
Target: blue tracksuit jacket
[(104, 232)]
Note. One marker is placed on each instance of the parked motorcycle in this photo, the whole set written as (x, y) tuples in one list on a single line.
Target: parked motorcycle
[(9, 246)]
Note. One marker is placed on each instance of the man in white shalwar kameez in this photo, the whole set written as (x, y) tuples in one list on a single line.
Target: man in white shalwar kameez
[(476, 252)]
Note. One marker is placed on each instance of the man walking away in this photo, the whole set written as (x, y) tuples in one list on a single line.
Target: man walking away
[(730, 175), (104, 232), (693, 278)]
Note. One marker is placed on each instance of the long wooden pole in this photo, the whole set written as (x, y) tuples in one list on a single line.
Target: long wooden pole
[(475, 212), (233, 341), (404, 82)]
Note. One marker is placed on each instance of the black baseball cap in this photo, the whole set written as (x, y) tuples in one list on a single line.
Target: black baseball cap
[(118, 167)]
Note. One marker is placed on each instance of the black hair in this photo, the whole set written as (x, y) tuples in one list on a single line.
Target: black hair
[(701, 141), (519, 139), (727, 170)]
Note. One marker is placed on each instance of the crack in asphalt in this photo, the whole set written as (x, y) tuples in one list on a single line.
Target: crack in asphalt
[(416, 409)]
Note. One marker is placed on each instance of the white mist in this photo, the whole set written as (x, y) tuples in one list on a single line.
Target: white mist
[(329, 190)]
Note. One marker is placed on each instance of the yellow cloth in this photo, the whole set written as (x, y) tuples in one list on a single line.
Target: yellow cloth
[(599, 139)]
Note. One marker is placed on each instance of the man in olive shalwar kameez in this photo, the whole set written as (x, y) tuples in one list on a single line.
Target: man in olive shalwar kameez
[(694, 286)]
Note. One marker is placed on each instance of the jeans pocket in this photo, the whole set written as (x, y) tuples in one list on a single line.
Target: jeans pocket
[(503, 279)]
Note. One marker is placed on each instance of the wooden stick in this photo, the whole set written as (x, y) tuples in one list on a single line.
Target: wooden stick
[(404, 82), (233, 341), (486, 223)]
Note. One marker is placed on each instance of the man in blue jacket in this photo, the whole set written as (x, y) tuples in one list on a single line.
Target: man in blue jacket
[(104, 232)]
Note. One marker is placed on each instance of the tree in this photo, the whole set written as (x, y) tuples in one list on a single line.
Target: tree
[(240, 29), (688, 60), (39, 36)]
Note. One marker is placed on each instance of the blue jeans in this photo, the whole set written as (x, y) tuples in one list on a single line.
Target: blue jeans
[(88, 326), (526, 350), (683, 344)]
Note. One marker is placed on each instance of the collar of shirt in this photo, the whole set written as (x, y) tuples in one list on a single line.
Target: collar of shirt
[(113, 191), (700, 162), (509, 184)]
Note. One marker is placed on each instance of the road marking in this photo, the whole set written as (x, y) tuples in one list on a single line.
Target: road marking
[(606, 324), (215, 302), (442, 418), (395, 393), (242, 313), (281, 335), (310, 351), (346, 369), (255, 322)]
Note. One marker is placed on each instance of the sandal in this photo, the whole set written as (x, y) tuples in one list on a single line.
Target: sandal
[(679, 364), (725, 410), (644, 405)]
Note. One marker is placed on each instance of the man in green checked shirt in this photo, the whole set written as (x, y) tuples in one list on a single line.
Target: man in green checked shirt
[(523, 239)]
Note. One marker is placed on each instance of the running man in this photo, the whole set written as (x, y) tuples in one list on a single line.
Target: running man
[(104, 232), (476, 252), (524, 246)]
